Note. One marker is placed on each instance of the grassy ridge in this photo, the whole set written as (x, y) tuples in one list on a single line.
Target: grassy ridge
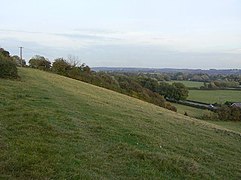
[(56, 127)]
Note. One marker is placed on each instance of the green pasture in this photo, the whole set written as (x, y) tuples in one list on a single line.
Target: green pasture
[(215, 96), (190, 84)]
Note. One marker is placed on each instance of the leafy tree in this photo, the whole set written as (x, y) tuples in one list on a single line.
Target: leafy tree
[(235, 114), (19, 61), (165, 89), (180, 92), (39, 62), (179, 76), (221, 84), (4, 53), (74, 72), (149, 83), (61, 66), (229, 113), (175, 91), (8, 68)]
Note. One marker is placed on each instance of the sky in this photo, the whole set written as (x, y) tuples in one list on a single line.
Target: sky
[(199, 34)]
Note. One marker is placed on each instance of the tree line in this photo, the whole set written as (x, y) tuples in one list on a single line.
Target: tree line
[(221, 84), (211, 80)]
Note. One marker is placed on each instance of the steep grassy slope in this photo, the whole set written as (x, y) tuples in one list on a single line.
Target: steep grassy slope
[(55, 127)]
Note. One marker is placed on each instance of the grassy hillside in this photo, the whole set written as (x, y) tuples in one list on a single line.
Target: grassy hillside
[(213, 96), (53, 127)]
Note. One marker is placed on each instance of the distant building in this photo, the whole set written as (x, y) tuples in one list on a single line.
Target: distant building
[(236, 105)]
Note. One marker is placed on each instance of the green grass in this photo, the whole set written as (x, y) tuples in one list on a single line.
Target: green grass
[(54, 127), (235, 126), (213, 96), (190, 84)]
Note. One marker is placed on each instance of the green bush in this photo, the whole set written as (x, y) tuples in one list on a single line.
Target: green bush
[(40, 62), (8, 68), (229, 113), (61, 66)]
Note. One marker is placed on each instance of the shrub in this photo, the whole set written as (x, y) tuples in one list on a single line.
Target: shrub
[(8, 68), (39, 62), (229, 113), (209, 115), (170, 107), (61, 66)]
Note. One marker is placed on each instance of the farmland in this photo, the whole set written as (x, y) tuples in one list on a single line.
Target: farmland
[(210, 96), (189, 84), (215, 96)]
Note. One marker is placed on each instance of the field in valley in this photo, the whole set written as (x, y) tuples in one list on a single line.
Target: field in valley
[(215, 96), (210, 96), (190, 84)]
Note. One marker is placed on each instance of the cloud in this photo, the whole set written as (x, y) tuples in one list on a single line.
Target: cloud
[(234, 51), (87, 38), (45, 39), (123, 48)]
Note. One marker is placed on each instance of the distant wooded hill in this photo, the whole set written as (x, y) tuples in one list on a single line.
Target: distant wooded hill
[(170, 70)]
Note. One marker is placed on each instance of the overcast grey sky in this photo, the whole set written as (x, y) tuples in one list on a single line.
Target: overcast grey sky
[(127, 33)]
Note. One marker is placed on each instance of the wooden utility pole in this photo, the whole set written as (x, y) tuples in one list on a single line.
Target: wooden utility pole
[(21, 55)]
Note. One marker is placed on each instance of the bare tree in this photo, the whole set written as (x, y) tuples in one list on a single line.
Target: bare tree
[(74, 60)]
